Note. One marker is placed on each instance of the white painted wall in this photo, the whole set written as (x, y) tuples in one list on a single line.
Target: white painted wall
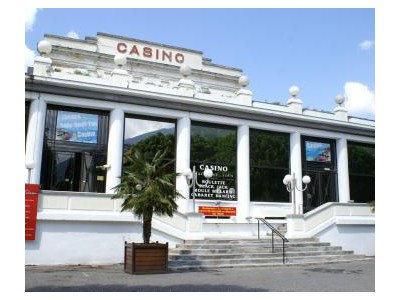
[(82, 242), (358, 238)]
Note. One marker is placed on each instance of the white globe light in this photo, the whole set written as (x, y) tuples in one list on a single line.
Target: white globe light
[(139, 187), (208, 173), (120, 59), (339, 99), (44, 47), (294, 90), (185, 70), (244, 81), (306, 179), (30, 164), (287, 179), (188, 173)]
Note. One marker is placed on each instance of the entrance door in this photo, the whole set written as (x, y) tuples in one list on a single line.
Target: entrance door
[(76, 171), (319, 162)]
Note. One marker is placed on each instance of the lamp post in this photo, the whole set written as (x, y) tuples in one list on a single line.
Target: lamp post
[(191, 178), (291, 186), (30, 165)]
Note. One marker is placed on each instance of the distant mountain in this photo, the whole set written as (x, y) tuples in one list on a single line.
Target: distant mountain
[(138, 138)]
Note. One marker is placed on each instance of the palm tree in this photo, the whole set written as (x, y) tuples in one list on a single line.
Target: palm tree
[(148, 187)]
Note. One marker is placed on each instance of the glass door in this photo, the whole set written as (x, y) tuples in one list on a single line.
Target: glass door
[(321, 188), (319, 162)]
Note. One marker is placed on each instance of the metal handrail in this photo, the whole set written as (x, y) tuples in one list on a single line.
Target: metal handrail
[(274, 230)]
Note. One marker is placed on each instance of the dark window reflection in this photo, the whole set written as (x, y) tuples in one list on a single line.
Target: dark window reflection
[(269, 163), (362, 172), (215, 146), (149, 135)]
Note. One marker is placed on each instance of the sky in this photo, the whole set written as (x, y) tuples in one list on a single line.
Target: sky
[(324, 51)]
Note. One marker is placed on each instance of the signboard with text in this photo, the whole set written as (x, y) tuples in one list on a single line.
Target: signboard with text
[(149, 51), (77, 127), (217, 211), (31, 201), (221, 186)]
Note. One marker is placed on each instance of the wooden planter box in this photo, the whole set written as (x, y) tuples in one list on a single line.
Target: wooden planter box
[(146, 258)]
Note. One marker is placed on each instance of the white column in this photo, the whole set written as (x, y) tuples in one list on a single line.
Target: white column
[(343, 170), (34, 140), (115, 149), (243, 173), (183, 163), (295, 167)]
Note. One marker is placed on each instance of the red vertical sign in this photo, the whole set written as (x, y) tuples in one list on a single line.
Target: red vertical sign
[(31, 201)]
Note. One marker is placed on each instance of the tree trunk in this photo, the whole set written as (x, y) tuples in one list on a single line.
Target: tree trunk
[(147, 228)]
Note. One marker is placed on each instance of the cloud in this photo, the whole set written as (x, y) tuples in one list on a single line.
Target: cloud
[(360, 100), (30, 18), (366, 45), (72, 34)]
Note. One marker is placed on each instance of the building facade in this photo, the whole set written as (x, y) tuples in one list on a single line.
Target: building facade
[(89, 103)]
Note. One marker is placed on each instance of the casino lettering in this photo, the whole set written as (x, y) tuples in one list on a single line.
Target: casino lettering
[(151, 53)]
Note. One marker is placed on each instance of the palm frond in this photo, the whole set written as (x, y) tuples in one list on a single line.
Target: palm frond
[(157, 194)]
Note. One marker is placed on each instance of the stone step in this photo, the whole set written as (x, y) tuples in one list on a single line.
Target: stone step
[(244, 241), (180, 251), (183, 268), (185, 257), (265, 244), (230, 252), (217, 263)]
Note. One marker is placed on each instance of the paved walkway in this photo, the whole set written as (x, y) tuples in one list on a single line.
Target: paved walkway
[(356, 276)]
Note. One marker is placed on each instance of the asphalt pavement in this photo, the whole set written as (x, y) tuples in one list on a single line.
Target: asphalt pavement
[(357, 276)]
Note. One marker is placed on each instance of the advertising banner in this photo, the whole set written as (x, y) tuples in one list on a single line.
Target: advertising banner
[(217, 211), (31, 201), (77, 127), (318, 152)]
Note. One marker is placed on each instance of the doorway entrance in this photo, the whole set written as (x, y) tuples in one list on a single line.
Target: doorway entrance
[(319, 162)]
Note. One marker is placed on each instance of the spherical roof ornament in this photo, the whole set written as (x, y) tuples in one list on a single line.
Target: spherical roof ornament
[(120, 59), (339, 99), (243, 81), (44, 47), (185, 70), (294, 91)]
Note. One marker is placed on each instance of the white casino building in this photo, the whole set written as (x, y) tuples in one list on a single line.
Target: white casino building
[(88, 102)]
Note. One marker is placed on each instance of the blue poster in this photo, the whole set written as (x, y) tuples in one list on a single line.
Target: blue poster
[(77, 127), (318, 152)]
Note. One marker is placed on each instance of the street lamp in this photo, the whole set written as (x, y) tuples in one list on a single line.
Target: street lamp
[(191, 178), (30, 165), (291, 186)]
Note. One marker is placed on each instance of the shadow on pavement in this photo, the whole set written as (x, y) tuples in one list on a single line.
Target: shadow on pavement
[(146, 288)]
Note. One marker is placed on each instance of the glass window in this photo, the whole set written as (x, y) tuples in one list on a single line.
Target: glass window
[(269, 163), (362, 172), (148, 135), (214, 146), (75, 146)]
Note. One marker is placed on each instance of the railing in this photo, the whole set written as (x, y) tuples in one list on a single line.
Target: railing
[(274, 230)]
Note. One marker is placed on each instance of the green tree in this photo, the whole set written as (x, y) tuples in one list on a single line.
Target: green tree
[(148, 187)]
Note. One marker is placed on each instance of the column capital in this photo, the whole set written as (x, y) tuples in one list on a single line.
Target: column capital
[(120, 78)]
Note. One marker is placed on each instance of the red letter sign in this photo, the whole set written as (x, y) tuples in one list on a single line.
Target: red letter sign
[(31, 200)]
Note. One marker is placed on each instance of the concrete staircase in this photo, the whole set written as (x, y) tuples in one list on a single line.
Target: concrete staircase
[(227, 253)]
